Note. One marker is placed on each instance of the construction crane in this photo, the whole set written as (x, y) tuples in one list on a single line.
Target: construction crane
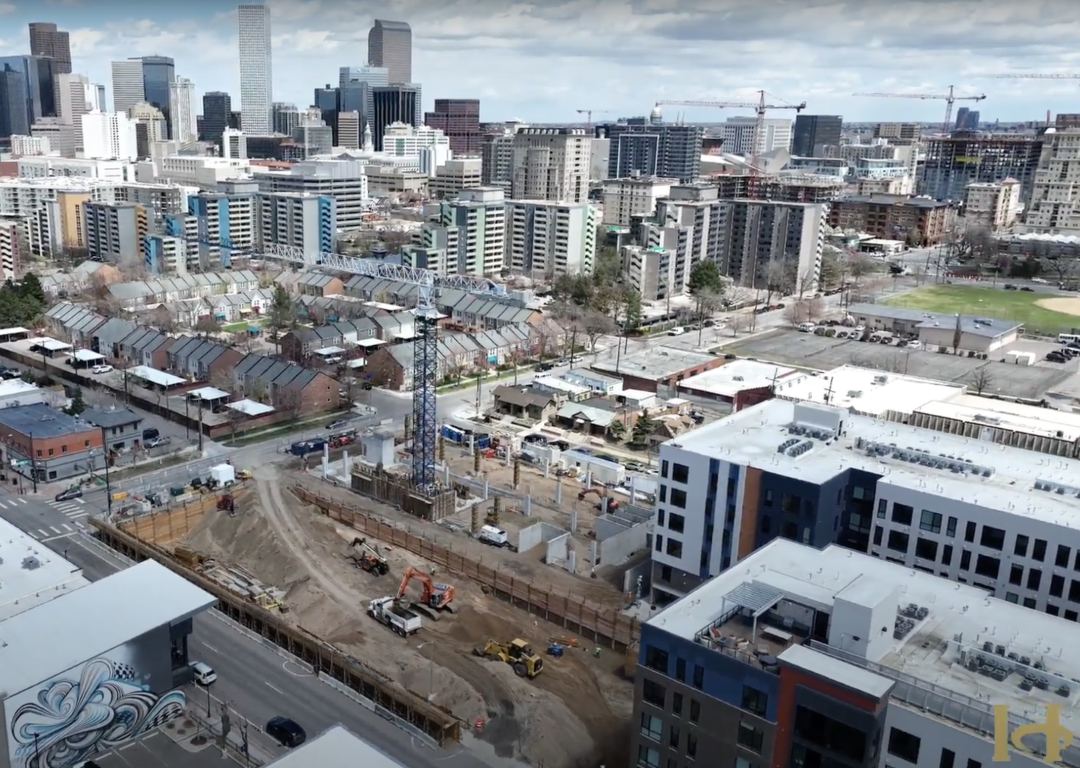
[(949, 98), (1035, 77), (425, 427), (758, 138), (589, 113)]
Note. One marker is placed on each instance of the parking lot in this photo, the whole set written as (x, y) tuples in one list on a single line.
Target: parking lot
[(159, 751), (805, 350)]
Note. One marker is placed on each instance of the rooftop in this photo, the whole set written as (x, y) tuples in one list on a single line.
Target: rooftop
[(1010, 480), (655, 363), (737, 376), (31, 573), (865, 390), (41, 421), (336, 748), (886, 199), (980, 326), (1002, 414), (134, 601), (938, 651)]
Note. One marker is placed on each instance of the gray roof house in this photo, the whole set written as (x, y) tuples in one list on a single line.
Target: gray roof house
[(194, 356), (70, 321), (106, 338), (139, 346)]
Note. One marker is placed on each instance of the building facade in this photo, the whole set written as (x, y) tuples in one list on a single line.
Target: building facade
[(468, 236), (217, 109), (895, 217), (128, 86), (812, 133), (182, 126), (459, 119), (624, 199), (994, 206), (551, 164), (159, 74), (297, 220), (1053, 207), (547, 239), (497, 161), (343, 180), (256, 68), (390, 46), (652, 149), (965, 157), (394, 104), (109, 136), (738, 135), (114, 232), (226, 227), (455, 175)]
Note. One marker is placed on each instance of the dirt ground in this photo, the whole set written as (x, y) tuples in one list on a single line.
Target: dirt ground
[(1066, 305), (582, 699)]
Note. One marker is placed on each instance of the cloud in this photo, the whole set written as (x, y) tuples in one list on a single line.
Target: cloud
[(542, 61)]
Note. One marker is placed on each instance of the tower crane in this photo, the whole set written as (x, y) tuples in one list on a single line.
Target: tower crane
[(949, 98), (1034, 76), (589, 113), (758, 138), (425, 427)]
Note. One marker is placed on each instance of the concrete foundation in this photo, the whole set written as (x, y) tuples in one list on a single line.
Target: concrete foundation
[(622, 534), (398, 491), (538, 534)]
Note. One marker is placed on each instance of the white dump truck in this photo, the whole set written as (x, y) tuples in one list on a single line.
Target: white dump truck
[(401, 620)]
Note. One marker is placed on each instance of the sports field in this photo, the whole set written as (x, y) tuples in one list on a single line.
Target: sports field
[(1039, 312)]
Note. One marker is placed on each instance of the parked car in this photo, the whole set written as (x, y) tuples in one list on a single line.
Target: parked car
[(676, 331), (339, 424), (544, 366), (1027, 288), (101, 369), (286, 731), (69, 493), (1009, 287), (156, 442), (204, 673)]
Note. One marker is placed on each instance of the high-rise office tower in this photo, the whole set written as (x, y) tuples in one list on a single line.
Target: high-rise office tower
[(35, 90), (967, 119), (394, 104), (182, 127), (390, 46), (77, 97), (217, 111), (256, 70), (14, 120), (159, 73), (127, 84), (286, 117), (46, 40), (646, 149), (326, 101), (99, 102), (812, 132), (459, 119), (354, 90), (109, 136)]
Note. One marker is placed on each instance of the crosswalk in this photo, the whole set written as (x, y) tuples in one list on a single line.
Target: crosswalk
[(73, 510), (60, 531), (12, 503)]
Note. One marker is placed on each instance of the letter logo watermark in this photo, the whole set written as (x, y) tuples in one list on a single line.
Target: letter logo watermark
[(1057, 735)]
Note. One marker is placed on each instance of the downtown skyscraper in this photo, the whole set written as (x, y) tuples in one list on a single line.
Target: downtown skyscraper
[(256, 71), (390, 46)]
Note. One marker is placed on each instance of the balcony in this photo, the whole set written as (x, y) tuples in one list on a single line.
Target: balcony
[(749, 629)]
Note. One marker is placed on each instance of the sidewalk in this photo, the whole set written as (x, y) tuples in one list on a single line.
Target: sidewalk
[(207, 734)]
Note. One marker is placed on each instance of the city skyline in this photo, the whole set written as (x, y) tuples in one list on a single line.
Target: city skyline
[(528, 63)]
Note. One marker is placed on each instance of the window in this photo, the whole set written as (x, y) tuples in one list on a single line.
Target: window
[(768, 498), (1053, 610), (663, 469), (930, 521), (63, 448), (898, 541), (902, 514), (950, 531), (699, 676), (659, 543), (661, 516), (1074, 591), (674, 547), (39, 453), (973, 763), (730, 487), (648, 757), (742, 762), (52, 451), (663, 495), (1012, 597), (904, 745), (965, 560), (680, 473), (1021, 545), (695, 710), (858, 493), (823, 731), (676, 522), (1057, 586), (655, 658), (691, 745), (754, 700), (1038, 552), (987, 566), (946, 555), (1034, 578), (948, 757), (750, 737), (651, 726), (926, 549), (1016, 575), (881, 505), (676, 704), (789, 503), (878, 533), (680, 671), (678, 498), (766, 524), (1070, 615), (992, 538), (1062, 559), (653, 693), (969, 532), (674, 737)]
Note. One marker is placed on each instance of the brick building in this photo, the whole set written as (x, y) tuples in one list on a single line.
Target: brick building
[(894, 217), (459, 119), (43, 443)]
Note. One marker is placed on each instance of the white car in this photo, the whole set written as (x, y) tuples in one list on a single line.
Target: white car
[(677, 331), (101, 369)]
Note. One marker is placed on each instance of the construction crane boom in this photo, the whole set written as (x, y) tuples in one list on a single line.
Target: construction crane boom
[(1035, 77), (425, 427), (949, 98), (589, 113)]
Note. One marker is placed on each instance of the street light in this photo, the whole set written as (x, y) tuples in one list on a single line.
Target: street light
[(431, 669)]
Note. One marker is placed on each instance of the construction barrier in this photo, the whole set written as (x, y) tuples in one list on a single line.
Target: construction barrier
[(434, 721), (601, 625)]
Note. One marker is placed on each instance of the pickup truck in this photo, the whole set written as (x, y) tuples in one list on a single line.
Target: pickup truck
[(401, 620)]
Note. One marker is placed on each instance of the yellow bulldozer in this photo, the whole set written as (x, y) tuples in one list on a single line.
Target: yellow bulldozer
[(517, 653)]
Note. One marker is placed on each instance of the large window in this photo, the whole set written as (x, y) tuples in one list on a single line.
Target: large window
[(674, 547), (750, 737), (926, 549), (902, 514), (819, 729), (992, 538), (987, 566), (930, 521), (1021, 546), (676, 522), (678, 498), (648, 757), (680, 473), (904, 745), (1038, 552), (651, 726), (898, 541), (653, 693), (656, 658), (754, 700)]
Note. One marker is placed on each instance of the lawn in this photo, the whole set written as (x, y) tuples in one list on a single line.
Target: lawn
[(1018, 306), (238, 326)]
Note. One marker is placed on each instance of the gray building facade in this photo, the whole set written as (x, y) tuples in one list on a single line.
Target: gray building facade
[(121, 427), (217, 114), (394, 104), (390, 46), (667, 151), (812, 132)]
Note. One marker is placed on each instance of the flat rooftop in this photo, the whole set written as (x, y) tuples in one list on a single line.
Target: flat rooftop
[(866, 391), (336, 748), (108, 613), (1002, 414), (1011, 480), (929, 652), (30, 573), (655, 363), (737, 376), (41, 421)]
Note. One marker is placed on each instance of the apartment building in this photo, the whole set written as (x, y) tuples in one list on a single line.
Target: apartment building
[(650, 271), (954, 162), (1054, 205), (497, 161), (895, 217), (343, 180), (455, 175), (904, 131), (636, 196), (814, 657), (547, 239), (227, 226), (165, 254), (297, 220), (994, 206), (551, 164), (114, 231), (109, 136), (459, 119), (14, 247), (650, 148), (429, 145), (57, 224), (466, 237), (738, 133)]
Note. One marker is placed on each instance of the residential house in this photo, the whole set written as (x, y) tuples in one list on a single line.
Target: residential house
[(73, 323), (288, 387), (602, 385), (121, 427), (229, 307), (319, 284), (106, 338), (86, 275), (399, 325), (200, 359), (146, 346), (525, 403), (392, 366), (375, 289), (194, 286), (184, 313), (298, 343), (585, 418), (474, 310)]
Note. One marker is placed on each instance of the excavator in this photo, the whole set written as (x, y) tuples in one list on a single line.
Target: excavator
[(601, 494), (367, 557), (516, 653), (436, 596)]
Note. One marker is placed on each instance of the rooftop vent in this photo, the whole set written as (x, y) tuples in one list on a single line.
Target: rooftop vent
[(801, 448), (31, 563)]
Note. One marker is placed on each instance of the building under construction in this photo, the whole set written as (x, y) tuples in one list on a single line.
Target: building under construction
[(967, 157), (780, 188)]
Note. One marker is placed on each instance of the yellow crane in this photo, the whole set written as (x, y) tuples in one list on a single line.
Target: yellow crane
[(760, 107), (589, 113), (949, 98)]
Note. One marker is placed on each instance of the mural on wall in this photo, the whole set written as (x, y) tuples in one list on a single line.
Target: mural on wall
[(66, 720)]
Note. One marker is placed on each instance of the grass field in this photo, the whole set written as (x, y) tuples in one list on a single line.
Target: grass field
[(1018, 306)]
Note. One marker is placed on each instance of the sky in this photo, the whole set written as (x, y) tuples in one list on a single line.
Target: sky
[(541, 61)]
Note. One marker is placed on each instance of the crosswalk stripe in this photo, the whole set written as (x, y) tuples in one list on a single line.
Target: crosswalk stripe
[(66, 527), (43, 532), (2, 505), (80, 501), (22, 501), (54, 529), (76, 515)]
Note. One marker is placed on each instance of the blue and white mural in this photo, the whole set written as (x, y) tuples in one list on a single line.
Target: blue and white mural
[(65, 721)]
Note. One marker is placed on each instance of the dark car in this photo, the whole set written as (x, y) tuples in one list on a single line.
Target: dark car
[(69, 493), (1027, 288), (1010, 287), (544, 366), (286, 731)]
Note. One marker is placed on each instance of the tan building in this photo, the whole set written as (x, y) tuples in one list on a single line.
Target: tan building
[(894, 217), (455, 175), (59, 224), (551, 164), (1054, 207), (636, 196), (395, 183), (992, 205)]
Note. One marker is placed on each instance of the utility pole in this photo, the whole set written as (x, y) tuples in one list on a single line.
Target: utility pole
[(200, 429), (33, 463), (108, 482)]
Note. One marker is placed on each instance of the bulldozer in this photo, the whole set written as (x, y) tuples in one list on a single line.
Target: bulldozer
[(517, 653), (434, 595), (367, 557)]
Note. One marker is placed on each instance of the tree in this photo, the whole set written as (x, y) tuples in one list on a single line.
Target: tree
[(793, 313), (832, 268), (643, 429), (78, 405), (569, 315), (222, 379), (631, 309), (706, 304), (30, 289), (595, 324), (282, 313), (235, 418), (775, 276), (981, 379), (737, 322), (705, 278), (290, 401), (607, 267), (206, 325), (616, 430)]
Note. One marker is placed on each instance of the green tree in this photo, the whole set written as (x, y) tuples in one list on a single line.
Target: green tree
[(78, 405), (607, 268), (631, 309), (705, 278), (282, 313), (643, 428), (616, 430), (31, 289)]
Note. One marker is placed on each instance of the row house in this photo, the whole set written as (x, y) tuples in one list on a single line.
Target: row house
[(318, 284), (382, 291), (73, 323), (106, 338), (328, 309), (200, 359), (299, 343), (288, 387), (64, 284), (146, 346), (192, 286), (484, 312)]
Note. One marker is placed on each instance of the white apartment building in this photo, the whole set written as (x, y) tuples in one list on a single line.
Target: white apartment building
[(994, 206), (14, 246), (468, 235), (22, 146), (194, 171), (297, 220), (233, 145), (429, 145), (455, 175), (53, 167), (344, 180), (182, 112), (650, 271), (165, 255), (637, 196), (551, 164), (256, 68), (738, 133), (109, 136), (153, 120), (128, 88), (546, 239), (59, 134), (1054, 208)]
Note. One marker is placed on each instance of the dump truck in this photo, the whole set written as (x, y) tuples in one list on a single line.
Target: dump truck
[(517, 653), (388, 611)]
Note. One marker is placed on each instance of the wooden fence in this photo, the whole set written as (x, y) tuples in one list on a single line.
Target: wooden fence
[(167, 526), (601, 625)]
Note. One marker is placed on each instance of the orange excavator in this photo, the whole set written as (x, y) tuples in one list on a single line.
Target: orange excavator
[(435, 595), (601, 494)]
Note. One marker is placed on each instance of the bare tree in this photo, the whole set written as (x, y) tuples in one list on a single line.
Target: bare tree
[(981, 379), (222, 379), (793, 313), (290, 401), (256, 391), (775, 274), (814, 308), (234, 418), (595, 324), (207, 325), (738, 322)]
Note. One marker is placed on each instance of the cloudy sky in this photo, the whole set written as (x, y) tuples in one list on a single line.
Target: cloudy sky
[(540, 61)]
